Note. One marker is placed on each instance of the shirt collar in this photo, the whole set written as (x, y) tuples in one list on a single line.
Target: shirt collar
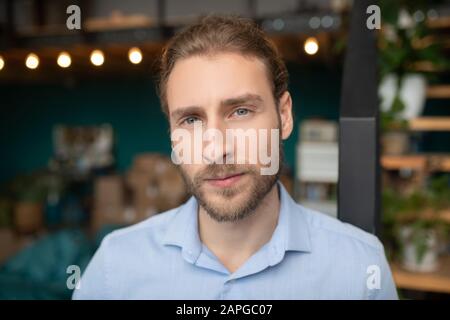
[(183, 231), (291, 233), (293, 217)]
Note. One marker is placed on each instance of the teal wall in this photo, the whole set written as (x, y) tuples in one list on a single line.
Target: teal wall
[(29, 112), (438, 141)]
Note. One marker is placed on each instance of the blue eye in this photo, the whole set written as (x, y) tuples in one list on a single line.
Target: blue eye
[(241, 111), (190, 120)]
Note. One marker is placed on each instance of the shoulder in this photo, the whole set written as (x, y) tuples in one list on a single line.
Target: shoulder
[(149, 231), (349, 255), (330, 231)]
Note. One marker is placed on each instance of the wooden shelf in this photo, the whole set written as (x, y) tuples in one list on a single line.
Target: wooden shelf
[(427, 66), (430, 162), (443, 215), (438, 281), (417, 162), (118, 23), (439, 163), (438, 92), (439, 23), (430, 124)]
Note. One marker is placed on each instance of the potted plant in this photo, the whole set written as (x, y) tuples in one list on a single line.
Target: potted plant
[(404, 42), (29, 194), (395, 136), (420, 245), (5, 211), (413, 227)]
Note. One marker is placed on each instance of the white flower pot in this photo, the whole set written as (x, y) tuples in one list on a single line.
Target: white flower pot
[(412, 93), (429, 261)]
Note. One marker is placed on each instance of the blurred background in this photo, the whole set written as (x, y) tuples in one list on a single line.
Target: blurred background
[(85, 147)]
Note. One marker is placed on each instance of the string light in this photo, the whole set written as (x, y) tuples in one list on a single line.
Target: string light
[(97, 58), (311, 46), (135, 55), (32, 61), (64, 60)]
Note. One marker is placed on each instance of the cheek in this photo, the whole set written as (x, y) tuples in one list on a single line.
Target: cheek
[(259, 149), (191, 170), (269, 140)]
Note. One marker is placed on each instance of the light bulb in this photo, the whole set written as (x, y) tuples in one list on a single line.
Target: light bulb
[(97, 58), (311, 46), (64, 60), (135, 55), (32, 61)]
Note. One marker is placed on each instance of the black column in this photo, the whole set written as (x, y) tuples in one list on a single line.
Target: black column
[(359, 184)]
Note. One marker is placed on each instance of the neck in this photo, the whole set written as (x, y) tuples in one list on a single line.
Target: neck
[(234, 242)]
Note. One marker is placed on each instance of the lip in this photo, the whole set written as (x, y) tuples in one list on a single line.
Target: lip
[(226, 181)]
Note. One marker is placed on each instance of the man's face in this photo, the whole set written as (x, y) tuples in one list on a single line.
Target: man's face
[(222, 92)]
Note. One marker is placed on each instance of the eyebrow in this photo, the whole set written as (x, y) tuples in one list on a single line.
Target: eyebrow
[(181, 112), (242, 99)]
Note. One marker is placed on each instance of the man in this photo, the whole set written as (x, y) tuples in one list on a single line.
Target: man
[(241, 236)]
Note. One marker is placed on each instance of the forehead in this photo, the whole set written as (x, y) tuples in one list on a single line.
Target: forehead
[(206, 80)]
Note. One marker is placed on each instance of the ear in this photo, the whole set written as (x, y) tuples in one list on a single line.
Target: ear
[(285, 110)]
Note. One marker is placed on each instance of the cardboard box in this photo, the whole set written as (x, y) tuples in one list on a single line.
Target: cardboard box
[(109, 190), (11, 243), (28, 217), (109, 201), (156, 185)]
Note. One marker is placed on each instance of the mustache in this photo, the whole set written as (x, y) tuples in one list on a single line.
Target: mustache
[(215, 171)]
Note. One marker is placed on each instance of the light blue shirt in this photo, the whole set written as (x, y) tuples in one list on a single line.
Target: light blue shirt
[(309, 256)]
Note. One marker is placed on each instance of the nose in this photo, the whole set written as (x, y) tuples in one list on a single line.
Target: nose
[(216, 147)]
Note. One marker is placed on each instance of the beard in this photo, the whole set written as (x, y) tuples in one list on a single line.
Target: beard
[(234, 203)]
